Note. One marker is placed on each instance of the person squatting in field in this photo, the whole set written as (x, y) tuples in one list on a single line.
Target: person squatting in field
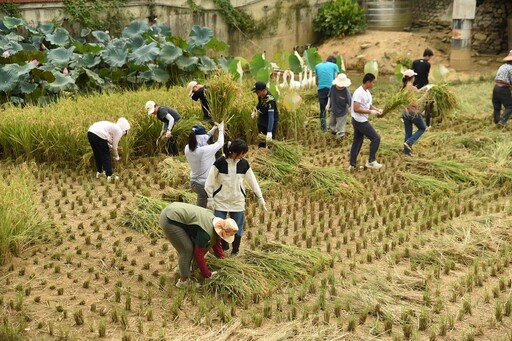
[(411, 115), (501, 93), (226, 190), (102, 136), (192, 231), (201, 156), (169, 117)]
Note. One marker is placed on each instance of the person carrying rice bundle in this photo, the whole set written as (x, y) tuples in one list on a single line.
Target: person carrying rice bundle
[(501, 93), (192, 230), (411, 115)]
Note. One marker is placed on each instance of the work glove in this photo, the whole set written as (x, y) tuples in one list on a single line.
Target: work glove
[(214, 274), (220, 126), (262, 204), (210, 204), (168, 134), (374, 112), (381, 113), (254, 113), (117, 158), (269, 136)]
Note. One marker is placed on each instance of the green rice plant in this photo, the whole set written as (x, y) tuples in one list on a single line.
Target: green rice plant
[(328, 181), (20, 223), (427, 184), (444, 99), (398, 100), (143, 215)]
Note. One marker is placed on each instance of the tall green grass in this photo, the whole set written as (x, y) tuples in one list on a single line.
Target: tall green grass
[(20, 223)]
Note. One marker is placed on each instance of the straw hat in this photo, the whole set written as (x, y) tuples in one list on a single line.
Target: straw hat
[(229, 226), (190, 88), (509, 57), (342, 81)]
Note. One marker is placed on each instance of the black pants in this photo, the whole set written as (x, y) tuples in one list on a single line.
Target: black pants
[(362, 129), (171, 147), (323, 98), (501, 96), (263, 130), (101, 153)]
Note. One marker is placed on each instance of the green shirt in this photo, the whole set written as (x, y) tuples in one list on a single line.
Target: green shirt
[(196, 221)]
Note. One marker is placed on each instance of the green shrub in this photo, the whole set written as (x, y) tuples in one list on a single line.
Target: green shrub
[(340, 17)]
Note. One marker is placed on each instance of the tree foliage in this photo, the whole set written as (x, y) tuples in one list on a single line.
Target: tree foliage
[(340, 17)]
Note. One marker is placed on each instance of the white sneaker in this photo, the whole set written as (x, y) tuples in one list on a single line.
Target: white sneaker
[(373, 165), (112, 178), (98, 174), (351, 168), (185, 284)]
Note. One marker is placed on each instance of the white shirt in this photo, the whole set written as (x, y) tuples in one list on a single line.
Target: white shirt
[(108, 131), (202, 158), (364, 98)]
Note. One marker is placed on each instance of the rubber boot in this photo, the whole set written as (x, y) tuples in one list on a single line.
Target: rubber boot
[(236, 245)]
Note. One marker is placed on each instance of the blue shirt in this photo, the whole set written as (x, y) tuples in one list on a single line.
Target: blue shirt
[(325, 73)]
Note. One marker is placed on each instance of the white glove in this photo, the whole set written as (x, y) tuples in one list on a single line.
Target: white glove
[(168, 134), (254, 113), (269, 136), (210, 204), (110, 145), (214, 274), (220, 126), (262, 204), (117, 158), (374, 112)]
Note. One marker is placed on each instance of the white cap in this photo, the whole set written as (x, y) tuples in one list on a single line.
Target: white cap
[(150, 107)]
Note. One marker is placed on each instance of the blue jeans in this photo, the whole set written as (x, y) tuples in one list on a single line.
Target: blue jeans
[(411, 119), (238, 217), (323, 97)]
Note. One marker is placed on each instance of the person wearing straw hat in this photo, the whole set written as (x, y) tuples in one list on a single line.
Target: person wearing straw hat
[(103, 135), (192, 231), (225, 186), (169, 117), (411, 115), (197, 92), (201, 156), (338, 103), (501, 93)]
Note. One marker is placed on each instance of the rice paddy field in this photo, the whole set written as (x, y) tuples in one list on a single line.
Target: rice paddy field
[(421, 249)]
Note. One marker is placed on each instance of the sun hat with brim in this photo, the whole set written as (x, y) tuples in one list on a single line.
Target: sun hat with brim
[(409, 73), (190, 88), (150, 107), (229, 226), (342, 81), (509, 57)]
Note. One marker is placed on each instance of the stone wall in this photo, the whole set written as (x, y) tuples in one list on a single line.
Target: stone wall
[(489, 34)]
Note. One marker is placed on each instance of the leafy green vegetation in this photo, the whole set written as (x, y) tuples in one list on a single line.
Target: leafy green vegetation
[(340, 17)]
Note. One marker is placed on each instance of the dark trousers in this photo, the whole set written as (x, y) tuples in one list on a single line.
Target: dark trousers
[(323, 97), (429, 107), (263, 130), (101, 153), (171, 147), (362, 129), (501, 96)]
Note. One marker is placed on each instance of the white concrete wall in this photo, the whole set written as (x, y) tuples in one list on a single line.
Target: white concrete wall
[(295, 27)]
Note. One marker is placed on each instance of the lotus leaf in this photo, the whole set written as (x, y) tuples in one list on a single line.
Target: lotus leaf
[(84, 32), (311, 58), (101, 37), (207, 64), (116, 53), (94, 76), (294, 63), (200, 36), (60, 56), (144, 54), (11, 22), (28, 88), (135, 29), (59, 38), (136, 42), (162, 30), (87, 60), (169, 53), (45, 28), (8, 78), (62, 82), (187, 63)]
